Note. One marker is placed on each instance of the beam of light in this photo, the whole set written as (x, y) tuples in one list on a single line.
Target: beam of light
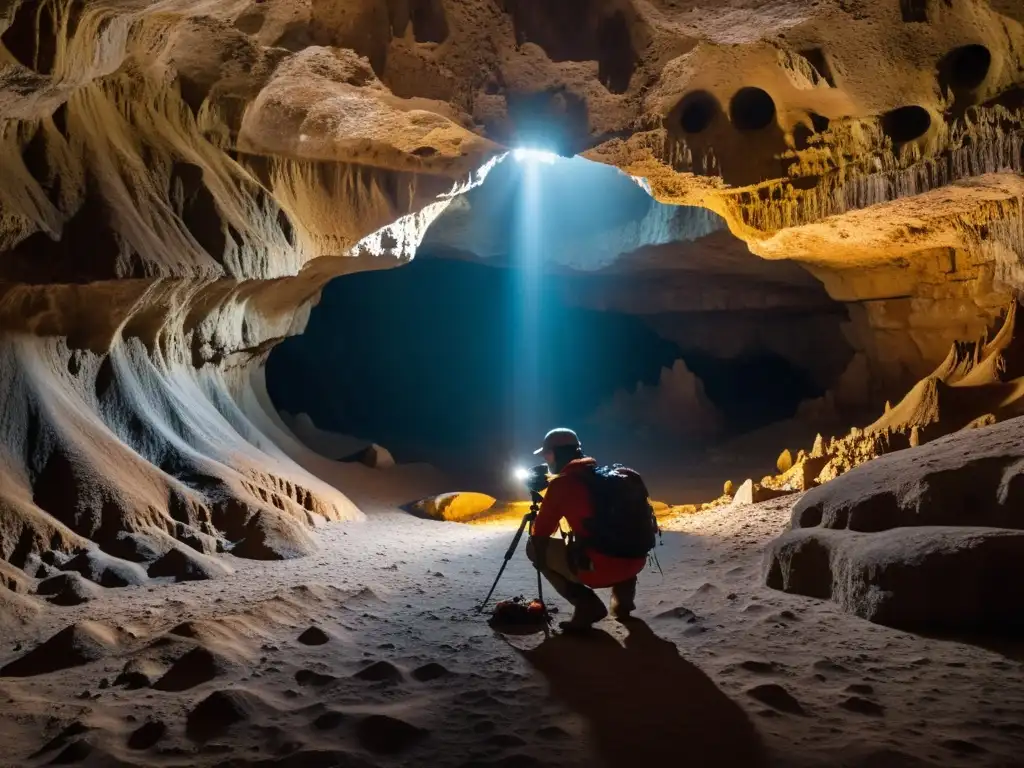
[(527, 155), (521, 473), (527, 257)]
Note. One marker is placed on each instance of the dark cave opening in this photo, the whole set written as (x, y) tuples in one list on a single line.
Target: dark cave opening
[(420, 359), (753, 389), (697, 110), (906, 123), (752, 109)]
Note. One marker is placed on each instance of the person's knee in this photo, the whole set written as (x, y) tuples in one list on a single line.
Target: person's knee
[(531, 551)]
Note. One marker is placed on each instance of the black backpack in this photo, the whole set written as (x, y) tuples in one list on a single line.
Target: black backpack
[(623, 523)]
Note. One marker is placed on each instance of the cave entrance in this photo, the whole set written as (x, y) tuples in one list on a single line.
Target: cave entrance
[(557, 293), (423, 360)]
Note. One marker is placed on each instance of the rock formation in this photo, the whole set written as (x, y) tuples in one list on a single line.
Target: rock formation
[(923, 539), (179, 180), (978, 384), (676, 407)]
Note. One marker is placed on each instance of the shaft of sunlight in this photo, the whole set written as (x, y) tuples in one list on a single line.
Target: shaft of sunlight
[(527, 306)]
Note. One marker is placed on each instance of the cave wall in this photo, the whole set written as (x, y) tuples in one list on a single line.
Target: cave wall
[(172, 202), (180, 179)]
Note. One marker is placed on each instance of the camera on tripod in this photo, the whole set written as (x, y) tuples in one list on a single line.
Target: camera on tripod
[(535, 478)]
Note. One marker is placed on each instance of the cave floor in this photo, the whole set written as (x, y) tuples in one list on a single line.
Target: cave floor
[(720, 671)]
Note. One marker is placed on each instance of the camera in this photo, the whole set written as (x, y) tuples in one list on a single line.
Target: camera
[(536, 478)]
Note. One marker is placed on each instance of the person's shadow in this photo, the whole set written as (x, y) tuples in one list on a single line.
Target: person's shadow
[(644, 702)]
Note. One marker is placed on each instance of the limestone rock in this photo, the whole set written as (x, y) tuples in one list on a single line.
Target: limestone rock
[(374, 456), (675, 407), (220, 711), (73, 646), (17, 609), (140, 673), (195, 667), (198, 540), (752, 493), (929, 538), (270, 536), (105, 570), (263, 157), (182, 565), (313, 636), (68, 589), (139, 547), (14, 579), (951, 578), (966, 479), (818, 449), (745, 493), (955, 397), (985, 420), (785, 461), (802, 476), (454, 507)]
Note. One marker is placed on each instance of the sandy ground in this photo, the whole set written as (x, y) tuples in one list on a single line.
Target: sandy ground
[(720, 671)]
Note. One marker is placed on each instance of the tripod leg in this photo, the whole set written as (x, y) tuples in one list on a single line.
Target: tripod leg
[(508, 556), (494, 586)]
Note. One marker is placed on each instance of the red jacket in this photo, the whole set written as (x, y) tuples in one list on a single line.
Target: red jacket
[(568, 498)]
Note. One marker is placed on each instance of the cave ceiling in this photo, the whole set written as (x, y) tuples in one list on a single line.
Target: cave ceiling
[(789, 119), (221, 161)]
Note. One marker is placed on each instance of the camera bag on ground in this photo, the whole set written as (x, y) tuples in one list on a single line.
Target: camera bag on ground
[(520, 616), (623, 522)]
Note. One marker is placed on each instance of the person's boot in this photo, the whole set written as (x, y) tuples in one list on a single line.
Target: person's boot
[(587, 609), (623, 599)]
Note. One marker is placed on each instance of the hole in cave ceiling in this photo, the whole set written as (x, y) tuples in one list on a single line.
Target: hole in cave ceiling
[(965, 68), (906, 123), (752, 109), (697, 110), (579, 30), (423, 360)]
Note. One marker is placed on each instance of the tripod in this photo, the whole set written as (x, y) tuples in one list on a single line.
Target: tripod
[(529, 517)]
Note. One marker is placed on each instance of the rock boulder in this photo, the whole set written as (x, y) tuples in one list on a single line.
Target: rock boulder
[(269, 536), (933, 578), (926, 538)]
